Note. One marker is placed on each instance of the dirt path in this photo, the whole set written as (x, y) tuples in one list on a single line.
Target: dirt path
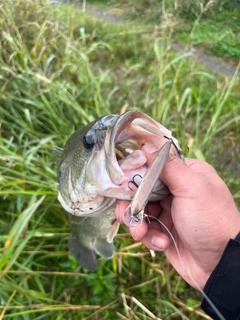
[(219, 65)]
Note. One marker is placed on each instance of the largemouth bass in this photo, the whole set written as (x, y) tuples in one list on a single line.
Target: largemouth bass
[(100, 163)]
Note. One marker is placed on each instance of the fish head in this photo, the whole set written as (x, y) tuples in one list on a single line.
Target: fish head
[(99, 160), (80, 166)]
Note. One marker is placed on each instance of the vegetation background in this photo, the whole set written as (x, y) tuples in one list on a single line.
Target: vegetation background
[(61, 68)]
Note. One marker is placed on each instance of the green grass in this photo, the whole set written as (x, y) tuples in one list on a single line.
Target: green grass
[(216, 24), (59, 70)]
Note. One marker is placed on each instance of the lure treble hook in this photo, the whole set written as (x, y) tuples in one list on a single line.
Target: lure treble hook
[(179, 151), (133, 181)]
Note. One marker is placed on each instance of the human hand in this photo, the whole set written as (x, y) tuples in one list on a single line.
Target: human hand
[(201, 216)]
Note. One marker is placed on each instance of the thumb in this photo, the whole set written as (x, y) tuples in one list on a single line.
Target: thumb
[(178, 174)]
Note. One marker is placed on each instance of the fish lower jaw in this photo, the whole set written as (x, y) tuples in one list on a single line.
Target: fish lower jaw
[(76, 208)]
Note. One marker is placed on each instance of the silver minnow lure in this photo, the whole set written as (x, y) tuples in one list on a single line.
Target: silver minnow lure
[(105, 161)]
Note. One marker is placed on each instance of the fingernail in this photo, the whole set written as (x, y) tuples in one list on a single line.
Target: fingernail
[(159, 242)]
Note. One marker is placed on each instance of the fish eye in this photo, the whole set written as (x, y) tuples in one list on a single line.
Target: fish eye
[(88, 142)]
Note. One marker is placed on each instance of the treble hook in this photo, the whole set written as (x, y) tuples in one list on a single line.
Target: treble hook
[(179, 151), (133, 181)]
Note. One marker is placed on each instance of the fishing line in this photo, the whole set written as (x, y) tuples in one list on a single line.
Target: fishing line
[(182, 263)]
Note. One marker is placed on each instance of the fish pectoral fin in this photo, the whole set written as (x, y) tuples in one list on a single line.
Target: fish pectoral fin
[(104, 248), (76, 219), (83, 252), (113, 231)]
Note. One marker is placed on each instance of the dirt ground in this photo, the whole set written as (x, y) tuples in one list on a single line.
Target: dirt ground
[(219, 65)]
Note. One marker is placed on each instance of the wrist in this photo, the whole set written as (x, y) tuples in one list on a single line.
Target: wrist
[(223, 286), (219, 252)]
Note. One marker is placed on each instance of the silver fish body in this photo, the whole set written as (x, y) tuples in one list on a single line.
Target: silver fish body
[(100, 163)]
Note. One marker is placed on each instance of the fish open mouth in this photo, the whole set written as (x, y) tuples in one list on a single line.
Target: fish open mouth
[(132, 136), (113, 164)]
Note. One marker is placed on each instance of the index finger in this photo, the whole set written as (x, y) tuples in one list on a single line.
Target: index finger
[(136, 232)]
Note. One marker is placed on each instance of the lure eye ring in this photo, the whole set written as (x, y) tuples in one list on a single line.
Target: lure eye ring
[(88, 142)]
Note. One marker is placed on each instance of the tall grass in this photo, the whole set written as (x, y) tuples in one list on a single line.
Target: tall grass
[(60, 69)]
